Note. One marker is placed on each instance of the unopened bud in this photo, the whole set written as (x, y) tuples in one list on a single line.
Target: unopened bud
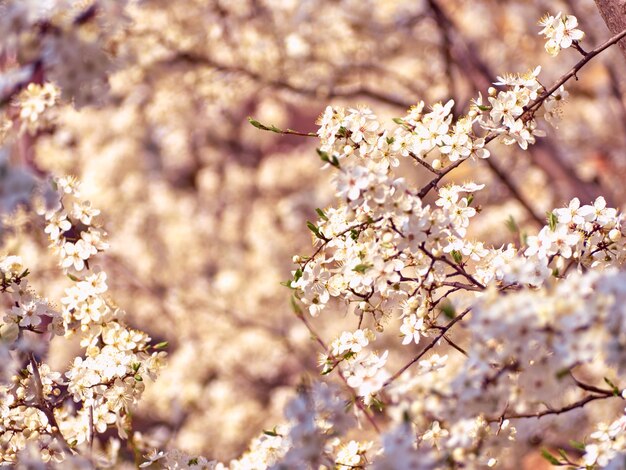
[(615, 235), (387, 237)]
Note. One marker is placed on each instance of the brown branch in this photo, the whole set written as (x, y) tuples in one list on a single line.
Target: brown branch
[(454, 266), (540, 414), (614, 14), (195, 59), (508, 182), (424, 163), (532, 107), (572, 72), (609, 65), (430, 345), (325, 242), (460, 285), (455, 346), (355, 397), (44, 406), (544, 154)]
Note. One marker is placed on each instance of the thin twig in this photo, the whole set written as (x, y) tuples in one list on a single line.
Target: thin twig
[(430, 345), (454, 345), (355, 397), (540, 414), (424, 163), (44, 406), (532, 107)]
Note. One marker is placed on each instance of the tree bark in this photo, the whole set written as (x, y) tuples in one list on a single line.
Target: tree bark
[(614, 14)]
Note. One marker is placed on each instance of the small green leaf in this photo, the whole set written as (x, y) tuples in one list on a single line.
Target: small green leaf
[(193, 461), (263, 127), (457, 256), (549, 457), (136, 366), (377, 404), (349, 355), (552, 220), (398, 120), (349, 404), (390, 140), (562, 373), (523, 238), (361, 268), (448, 310), (256, 123), (313, 228), (272, 432), (614, 387), (577, 445), (72, 277), (482, 107), (511, 224), (470, 199), (323, 155), (138, 378), (326, 158), (161, 345), (321, 213), (297, 275), (295, 307)]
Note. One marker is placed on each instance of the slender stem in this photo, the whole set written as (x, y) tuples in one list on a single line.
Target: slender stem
[(572, 72), (44, 406), (355, 397), (424, 163), (454, 345), (591, 388), (532, 107), (556, 411), (349, 229), (430, 345), (508, 182), (91, 430), (454, 266)]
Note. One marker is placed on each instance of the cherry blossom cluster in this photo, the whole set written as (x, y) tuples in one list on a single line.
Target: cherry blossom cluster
[(99, 390), (539, 314), (526, 344), (312, 435), (509, 110), (560, 31), (608, 445), (37, 105), (68, 42), (492, 335)]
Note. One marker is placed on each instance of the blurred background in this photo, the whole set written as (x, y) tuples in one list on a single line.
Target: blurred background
[(204, 212)]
